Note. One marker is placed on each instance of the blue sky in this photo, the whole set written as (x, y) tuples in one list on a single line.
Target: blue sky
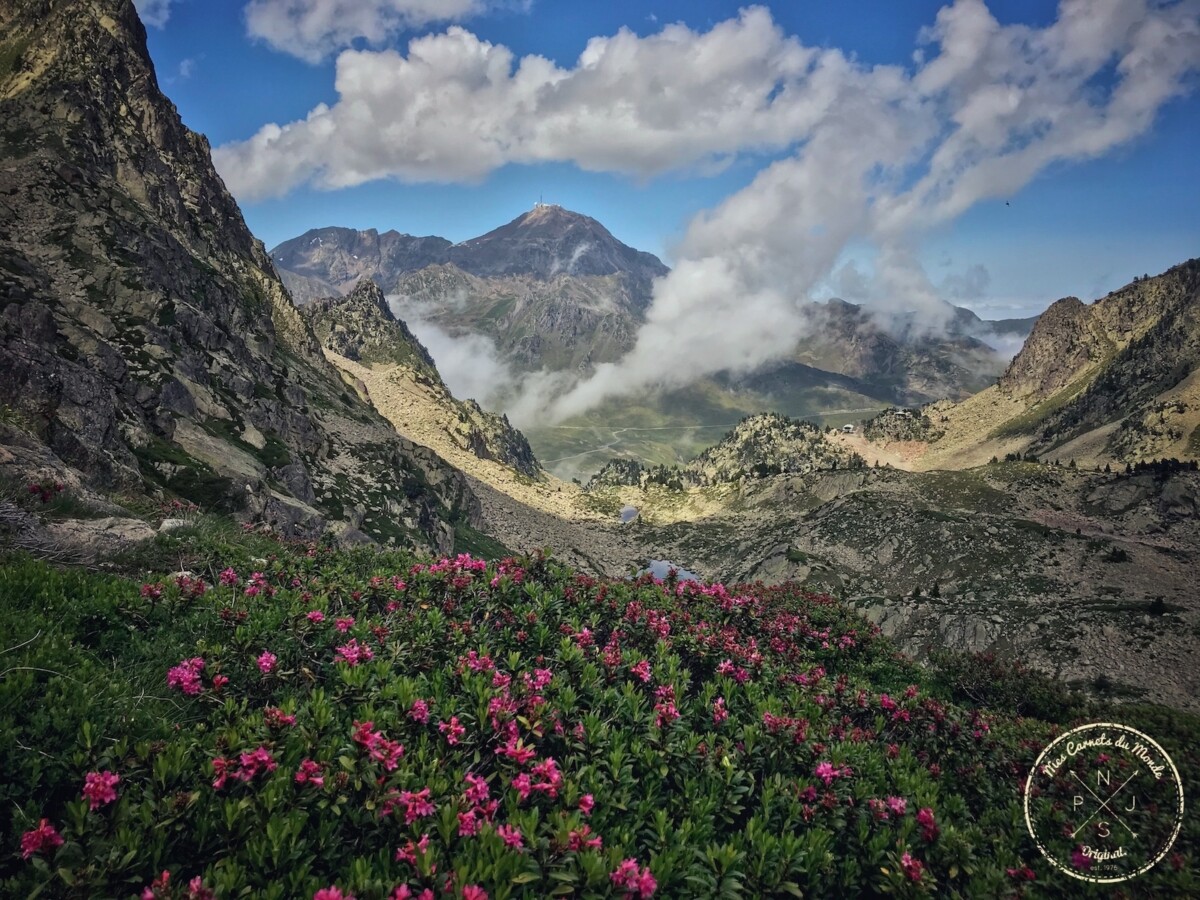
[(1079, 226)]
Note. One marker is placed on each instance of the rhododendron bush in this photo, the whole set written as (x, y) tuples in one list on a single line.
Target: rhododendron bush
[(358, 724)]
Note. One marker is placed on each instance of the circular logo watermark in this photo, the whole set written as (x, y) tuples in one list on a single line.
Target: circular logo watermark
[(1104, 803)]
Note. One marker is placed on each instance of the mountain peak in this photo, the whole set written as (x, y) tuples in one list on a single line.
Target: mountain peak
[(550, 240)]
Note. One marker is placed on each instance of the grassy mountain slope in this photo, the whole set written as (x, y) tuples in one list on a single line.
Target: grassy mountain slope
[(512, 728)]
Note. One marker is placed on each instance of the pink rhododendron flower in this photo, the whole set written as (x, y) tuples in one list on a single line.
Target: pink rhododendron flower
[(468, 824), (720, 713), (277, 718), (267, 661), (586, 803), (511, 835), (477, 790), (408, 853), (641, 670), (913, 868), (332, 893), (161, 883), (255, 763), (452, 730), (826, 772), (100, 788), (929, 828), (474, 892), (228, 578), (523, 785), (634, 881), (354, 653), (897, 805), (315, 616), (186, 676), (37, 840), (419, 711), (1079, 859), (582, 839), (344, 624), (311, 772)]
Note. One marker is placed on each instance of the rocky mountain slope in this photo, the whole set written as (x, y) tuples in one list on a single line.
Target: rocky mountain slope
[(1085, 575), (1111, 381), (360, 328), (758, 446), (145, 339)]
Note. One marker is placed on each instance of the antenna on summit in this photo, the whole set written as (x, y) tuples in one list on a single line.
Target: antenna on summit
[(539, 202)]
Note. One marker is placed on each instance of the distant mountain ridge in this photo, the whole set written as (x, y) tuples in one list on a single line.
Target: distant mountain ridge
[(544, 242), (1114, 380)]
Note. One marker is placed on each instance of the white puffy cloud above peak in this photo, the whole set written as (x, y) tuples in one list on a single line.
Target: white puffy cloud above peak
[(859, 153), (455, 107), (314, 29)]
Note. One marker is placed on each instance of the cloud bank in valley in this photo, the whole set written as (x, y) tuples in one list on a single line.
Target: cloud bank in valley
[(874, 154)]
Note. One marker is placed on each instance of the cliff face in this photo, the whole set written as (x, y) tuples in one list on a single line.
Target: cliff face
[(360, 328), (1128, 360), (144, 333)]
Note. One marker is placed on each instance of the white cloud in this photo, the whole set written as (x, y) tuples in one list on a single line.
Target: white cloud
[(872, 154), (154, 13), (313, 29), (187, 67), (455, 108)]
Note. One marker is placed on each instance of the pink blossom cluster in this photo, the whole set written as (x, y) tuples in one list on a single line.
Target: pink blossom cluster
[(511, 835), (39, 840), (475, 662), (246, 768), (582, 838), (354, 653), (452, 730), (160, 889), (461, 563), (727, 667), (929, 826), (100, 788), (412, 805), (665, 711), (544, 777), (192, 588), (259, 585), (827, 772), (275, 717), (266, 662), (635, 881), (912, 867), (311, 772), (378, 748), (419, 711), (186, 676), (408, 853)]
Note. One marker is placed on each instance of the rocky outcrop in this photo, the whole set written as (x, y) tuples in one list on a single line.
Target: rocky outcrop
[(759, 446), (360, 328), (143, 330)]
